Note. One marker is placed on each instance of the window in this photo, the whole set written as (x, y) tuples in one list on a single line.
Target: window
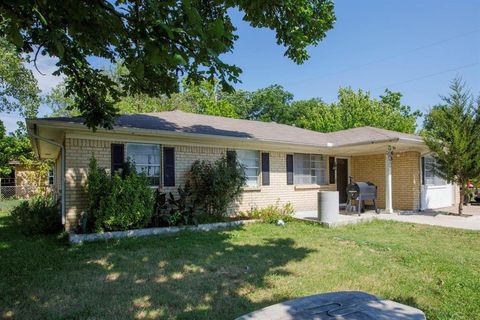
[(51, 177), (309, 169), (146, 158), (250, 160), (429, 177)]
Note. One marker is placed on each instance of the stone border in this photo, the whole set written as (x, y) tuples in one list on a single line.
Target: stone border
[(90, 237)]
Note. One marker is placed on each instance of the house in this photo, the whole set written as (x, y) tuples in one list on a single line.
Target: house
[(25, 180), (282, 162)]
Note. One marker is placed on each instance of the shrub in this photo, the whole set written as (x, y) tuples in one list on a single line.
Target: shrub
[(117, 203), (215, 186), (272, 213), (171, 211), (98, 187), (39, 215)]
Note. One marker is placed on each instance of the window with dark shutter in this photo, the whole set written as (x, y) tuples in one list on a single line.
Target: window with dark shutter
[(169, 167), (289, 169), (265, 169), (331, 168), (118, 157), (423, 170), (231, 157)]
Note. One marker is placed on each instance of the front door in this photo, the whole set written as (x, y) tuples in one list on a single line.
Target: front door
[(342, 179)]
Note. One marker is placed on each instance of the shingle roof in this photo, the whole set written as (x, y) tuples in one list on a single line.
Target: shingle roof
[(183, 122), (367, 134)]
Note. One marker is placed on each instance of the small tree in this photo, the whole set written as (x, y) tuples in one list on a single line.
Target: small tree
[(452, 132), (215, 186)]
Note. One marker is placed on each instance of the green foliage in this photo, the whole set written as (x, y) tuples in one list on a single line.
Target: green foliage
[(116, 203), (352, 110), (159, 42), (452, 132), (174, 211), (271, 213), (15, 146), (18, 87), (97, 188), (39, 215), (216, 186), (61, 104)]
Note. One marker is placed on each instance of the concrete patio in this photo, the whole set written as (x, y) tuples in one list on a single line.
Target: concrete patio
[(470, 220)]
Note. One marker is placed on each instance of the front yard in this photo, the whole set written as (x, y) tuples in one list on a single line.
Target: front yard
[(221, 275)]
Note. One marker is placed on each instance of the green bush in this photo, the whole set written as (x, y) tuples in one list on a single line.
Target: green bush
[(215, 186), (271, 213), (39, 215), (117, 203), (175, 211), (98, 187)]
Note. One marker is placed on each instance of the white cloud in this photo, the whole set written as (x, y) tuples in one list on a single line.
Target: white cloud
[(46, 65)]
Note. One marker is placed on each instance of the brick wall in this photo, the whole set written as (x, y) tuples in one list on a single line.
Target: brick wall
[(406, 181), (79, 151), (77, 156)]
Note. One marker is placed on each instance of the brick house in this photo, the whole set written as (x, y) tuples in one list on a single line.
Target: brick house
[(283, 163)]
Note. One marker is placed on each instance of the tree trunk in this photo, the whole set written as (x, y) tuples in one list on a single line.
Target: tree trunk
[(461, 200)]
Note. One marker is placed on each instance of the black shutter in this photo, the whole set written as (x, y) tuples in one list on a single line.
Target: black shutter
[(289, 169), (169, 167), (265, 169), (231, 157), (423, 170), (117, 157), (331, 166)]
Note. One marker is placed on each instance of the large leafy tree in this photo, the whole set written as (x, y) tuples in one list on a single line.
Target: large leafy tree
[(452, 132), (15, 146), (159, 42), (18, 88), (358, 109)]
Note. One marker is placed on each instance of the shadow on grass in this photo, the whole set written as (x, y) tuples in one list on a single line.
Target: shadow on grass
[(209, 275)]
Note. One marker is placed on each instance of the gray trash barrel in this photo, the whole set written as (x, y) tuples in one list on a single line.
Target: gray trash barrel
[(328, 206)]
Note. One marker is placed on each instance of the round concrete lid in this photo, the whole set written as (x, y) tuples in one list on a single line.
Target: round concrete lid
[(345, 305)]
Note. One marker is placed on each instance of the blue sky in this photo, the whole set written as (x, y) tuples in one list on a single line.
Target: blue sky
[(415, 47)]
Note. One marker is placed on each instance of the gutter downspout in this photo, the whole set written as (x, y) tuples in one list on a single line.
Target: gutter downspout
[(62, 164)]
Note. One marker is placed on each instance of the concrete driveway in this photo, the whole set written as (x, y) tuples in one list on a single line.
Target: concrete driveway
[(439, 217), (441, 220)]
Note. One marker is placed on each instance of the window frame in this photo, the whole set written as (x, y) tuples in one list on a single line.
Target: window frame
[(51, 175), (152, 177), (323, 169), (431, 180), (258, 167)]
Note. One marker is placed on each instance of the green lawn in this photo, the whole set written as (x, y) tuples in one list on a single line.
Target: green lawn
[(221, 275)]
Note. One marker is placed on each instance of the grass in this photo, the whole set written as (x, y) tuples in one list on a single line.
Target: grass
[(222, 275)]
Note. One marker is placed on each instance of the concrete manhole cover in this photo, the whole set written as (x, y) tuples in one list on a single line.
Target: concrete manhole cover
[(344, 305)]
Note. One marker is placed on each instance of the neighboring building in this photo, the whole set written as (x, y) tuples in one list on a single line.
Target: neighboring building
[(282, 162), (24, 180)]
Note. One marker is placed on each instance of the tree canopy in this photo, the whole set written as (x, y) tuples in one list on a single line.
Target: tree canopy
[(159, 42), (353, 108), (452, 132), (15, 146), (18, 87)]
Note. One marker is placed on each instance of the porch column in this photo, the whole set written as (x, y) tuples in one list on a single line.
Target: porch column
[(388, 180)]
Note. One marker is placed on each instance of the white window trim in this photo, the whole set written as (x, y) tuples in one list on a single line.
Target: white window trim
[(323, 169), (160, 165), (433, 177), (258, 168)]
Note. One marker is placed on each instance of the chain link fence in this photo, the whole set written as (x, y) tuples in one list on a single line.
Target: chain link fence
[(22, 192)]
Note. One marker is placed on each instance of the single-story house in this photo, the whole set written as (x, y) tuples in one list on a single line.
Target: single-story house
[(283, 163)]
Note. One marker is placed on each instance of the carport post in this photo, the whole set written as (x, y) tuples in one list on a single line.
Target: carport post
[(388, 180)]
